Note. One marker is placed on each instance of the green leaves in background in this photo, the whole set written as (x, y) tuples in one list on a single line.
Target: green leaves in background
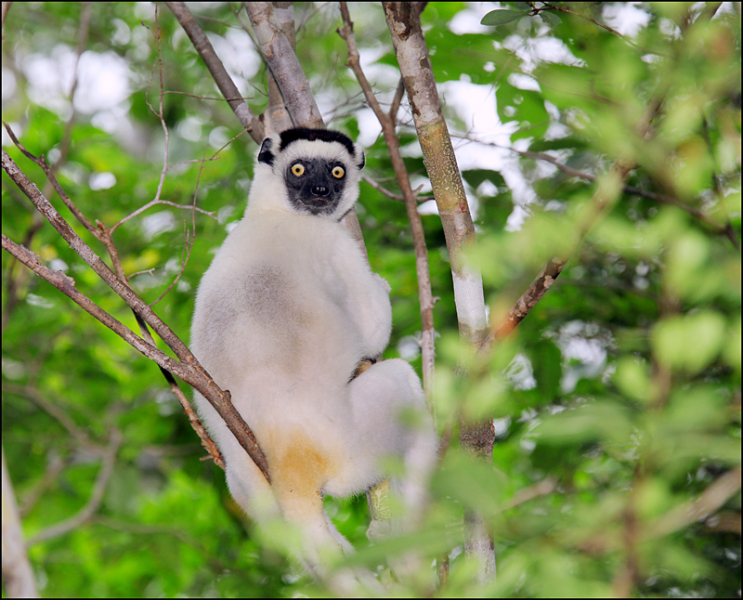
[(619, 394)]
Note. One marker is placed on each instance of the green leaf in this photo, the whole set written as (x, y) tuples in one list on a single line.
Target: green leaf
[(471, 481), (567, 86), (632, 377), (689, 342), (547, 365), (502, 16), (603, 420), (550, 17)]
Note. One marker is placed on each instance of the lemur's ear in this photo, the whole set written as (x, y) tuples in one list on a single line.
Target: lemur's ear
[(359, 156), (267, 151)]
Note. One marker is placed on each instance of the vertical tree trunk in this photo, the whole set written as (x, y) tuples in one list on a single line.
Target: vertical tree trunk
[(403, 21), (17, 572)]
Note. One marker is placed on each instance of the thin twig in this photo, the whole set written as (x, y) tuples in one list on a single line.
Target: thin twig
[(377, 186), (542, 488), (229, 90), (189, 369), (200, 97), (95, 499), (605, 196), (525, 303), (403, 179), (702, 507), (82, 42), (189, 239), (49, 172), (663, 199), (160, 113), (56, 412), (157, 202), (54, 467), (92, 259), (625, 39), (396, 101)]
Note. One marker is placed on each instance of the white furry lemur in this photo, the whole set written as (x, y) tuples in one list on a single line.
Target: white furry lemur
[(284, 315)]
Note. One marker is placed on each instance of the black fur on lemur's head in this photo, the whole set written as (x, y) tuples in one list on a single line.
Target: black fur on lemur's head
[(308, 171)]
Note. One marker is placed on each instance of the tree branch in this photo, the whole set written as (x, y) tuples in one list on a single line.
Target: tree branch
[(282, 61), (279, 55), (277, 115), (707, 503), (92, 259), (229, 90), (403, 22), (425, 296), (720, 229), (61, 416), (391, 195), (96, 496), (604, 197), (18, 576), (189, 370), (104, 234)]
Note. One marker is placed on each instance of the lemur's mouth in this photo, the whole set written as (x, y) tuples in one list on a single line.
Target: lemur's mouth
[(319, 202), (317, 206)]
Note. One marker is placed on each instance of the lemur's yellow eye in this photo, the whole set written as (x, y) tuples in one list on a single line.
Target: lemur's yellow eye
[(298, 170), (338, 172)]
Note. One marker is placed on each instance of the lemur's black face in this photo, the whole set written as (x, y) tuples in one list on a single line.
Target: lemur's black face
[(315, 185), (319, 171)]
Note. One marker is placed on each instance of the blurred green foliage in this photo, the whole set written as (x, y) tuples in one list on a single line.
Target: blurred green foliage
[(615, 402)]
